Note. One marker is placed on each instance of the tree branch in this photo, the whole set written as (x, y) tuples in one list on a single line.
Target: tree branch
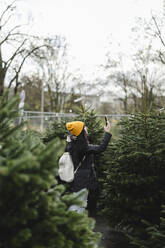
[(10, 34), (15, 54), (158, 30), (161, 56), (7, 8), (20, 67), (2, 25)]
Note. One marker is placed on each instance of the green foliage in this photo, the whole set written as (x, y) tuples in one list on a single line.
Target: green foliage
[(33, 207), (71, 105), (8, 113), (115, 131), (155, 234), (94, 124), (134, 188), (56, 129)]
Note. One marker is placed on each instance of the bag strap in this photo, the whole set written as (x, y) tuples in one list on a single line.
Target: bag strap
[(79, 165)]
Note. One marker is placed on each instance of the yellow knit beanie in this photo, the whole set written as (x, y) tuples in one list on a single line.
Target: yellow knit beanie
[(75, 127)]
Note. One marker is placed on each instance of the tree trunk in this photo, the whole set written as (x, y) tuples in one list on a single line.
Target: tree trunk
[(2, 79), (2, 75)]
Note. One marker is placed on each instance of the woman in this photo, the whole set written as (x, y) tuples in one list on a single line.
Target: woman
[(82, 156)]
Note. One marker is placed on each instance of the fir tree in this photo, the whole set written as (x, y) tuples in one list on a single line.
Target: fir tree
[(56, 129), (134, 188), (155, 234), (33, 208)]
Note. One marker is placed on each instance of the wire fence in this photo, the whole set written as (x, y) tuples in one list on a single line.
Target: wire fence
[(39, 121)]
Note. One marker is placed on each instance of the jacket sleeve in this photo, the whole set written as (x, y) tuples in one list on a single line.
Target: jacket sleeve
[(103, 145)]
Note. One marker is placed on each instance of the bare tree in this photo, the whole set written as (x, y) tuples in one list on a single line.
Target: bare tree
[(148, 60), (118, 79), (157, 31), (52, 60), (33, 87), (141, 85), (15, 48)]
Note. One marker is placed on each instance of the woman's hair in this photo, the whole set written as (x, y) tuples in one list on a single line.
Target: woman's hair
[(79, 147)]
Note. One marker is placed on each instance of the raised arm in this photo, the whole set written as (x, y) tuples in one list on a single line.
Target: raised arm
[(104, 143)]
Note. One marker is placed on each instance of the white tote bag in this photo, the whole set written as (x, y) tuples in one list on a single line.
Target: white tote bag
[(66, 168)]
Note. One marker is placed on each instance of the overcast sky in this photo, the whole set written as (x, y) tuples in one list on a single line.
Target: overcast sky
[(87, 24)]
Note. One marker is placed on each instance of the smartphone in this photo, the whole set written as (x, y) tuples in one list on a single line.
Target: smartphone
[(106, 119)]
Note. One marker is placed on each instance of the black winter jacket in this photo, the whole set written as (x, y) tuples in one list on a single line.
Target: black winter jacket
[(85, 176)]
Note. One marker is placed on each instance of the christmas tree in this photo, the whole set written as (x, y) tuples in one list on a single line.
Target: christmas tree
[(56, 129), (33, 207), (134, 188), (155, 234)]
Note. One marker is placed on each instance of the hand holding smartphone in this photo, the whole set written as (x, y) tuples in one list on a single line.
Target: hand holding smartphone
[(107, 125)]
